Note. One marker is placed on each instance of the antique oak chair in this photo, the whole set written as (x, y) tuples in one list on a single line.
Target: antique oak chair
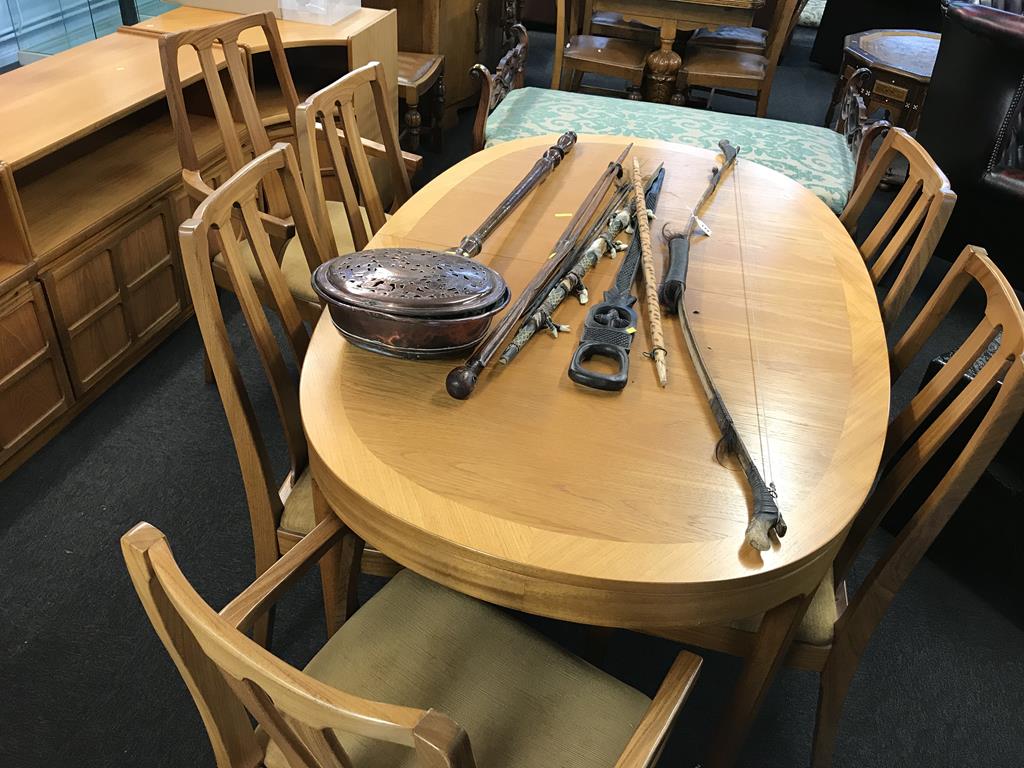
[(577, 53), (418, 75), (420, 676), (281, 513), (753, 39), (317, 121), (913, 223), (242, 124), (835, 631), (718, 68)]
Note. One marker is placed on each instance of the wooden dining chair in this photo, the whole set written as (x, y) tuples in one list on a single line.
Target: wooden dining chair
[(577, 53), (899, 246), (327, 129), (835, 631), (752, 39), (281, 512), (420, 676), (242, 121), (726, 68)]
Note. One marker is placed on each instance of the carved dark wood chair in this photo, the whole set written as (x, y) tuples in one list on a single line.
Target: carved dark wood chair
[(419, 677), (507, 77)]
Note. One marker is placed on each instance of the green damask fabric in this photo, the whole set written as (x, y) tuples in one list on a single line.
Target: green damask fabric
[(815, 157)]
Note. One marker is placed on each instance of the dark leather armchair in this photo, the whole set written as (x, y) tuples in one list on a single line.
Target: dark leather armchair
[(971, 126)]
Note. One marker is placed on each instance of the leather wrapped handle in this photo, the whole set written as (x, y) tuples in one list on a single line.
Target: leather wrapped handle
[(674, 284)]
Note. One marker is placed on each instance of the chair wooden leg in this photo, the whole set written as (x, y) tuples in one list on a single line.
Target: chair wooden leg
[(762, 102), (413, 121), (834, 684), (339, 571), (438, 127), (575, 80), (778, 628), (207, 368)]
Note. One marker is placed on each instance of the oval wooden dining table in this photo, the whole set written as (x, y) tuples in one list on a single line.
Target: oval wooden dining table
[(611, 508)]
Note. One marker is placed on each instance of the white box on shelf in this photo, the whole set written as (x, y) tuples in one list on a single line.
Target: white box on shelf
[(325, 12), (237, 6)]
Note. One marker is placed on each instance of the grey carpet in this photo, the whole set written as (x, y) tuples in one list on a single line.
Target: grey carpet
[(86, 683)]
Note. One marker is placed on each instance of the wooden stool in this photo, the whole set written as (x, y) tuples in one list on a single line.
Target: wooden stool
[(417, 74)]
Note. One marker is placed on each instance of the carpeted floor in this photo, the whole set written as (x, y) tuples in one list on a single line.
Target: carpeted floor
[(86, 683)]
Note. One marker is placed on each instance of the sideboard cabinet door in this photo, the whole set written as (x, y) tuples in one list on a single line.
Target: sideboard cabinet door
[(34, 388), (147, 270), (115, 293)]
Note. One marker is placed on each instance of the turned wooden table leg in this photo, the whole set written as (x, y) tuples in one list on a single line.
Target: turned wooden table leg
[(778, 628), (662, 67)]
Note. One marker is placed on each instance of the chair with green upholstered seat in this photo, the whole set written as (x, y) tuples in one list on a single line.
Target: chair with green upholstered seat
[(419, 677)]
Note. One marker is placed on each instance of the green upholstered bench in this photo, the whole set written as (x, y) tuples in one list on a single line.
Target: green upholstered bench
[(816, 157)]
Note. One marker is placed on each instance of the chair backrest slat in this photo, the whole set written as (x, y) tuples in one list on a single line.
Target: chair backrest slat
[(346, 153), (237, 198), (912, 224), (231, 677)]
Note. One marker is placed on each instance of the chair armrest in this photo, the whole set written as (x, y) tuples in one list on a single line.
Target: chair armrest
[(283, 229), (645, 745), (376, 149), (195, 185), (259, 596)]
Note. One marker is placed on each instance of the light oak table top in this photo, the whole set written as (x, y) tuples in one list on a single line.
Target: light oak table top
[(609, 508)]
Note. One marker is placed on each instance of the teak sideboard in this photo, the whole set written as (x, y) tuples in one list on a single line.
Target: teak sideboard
[(91, 198)]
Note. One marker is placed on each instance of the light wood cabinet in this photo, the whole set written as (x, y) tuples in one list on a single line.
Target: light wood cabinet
[(91, 198), (34, 387), (115, 293)]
